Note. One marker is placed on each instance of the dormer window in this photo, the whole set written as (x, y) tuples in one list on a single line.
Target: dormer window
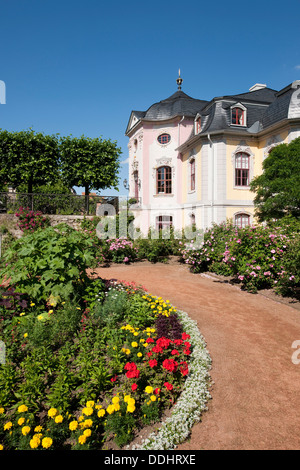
[(197, 124), (238, 115)]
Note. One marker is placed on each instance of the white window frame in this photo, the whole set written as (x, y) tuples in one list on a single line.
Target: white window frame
[(242, 107)]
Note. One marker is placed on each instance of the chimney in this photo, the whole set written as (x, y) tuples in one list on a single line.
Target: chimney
[(257, 86)]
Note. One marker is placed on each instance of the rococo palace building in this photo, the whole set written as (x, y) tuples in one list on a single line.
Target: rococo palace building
[(191, 160)]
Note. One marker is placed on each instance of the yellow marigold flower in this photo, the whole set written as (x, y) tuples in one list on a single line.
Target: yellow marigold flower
[(52, 412), (101, 413), (7, 426), (22, 408), (82, 439), (25, 335), (142, 340), (110, 409), (47, 442), (73, 425), (87, 432), (127, 351), (116, 406), (1, 411), (21, 421), (115, 400), (126, 398), (135, 334), (130, 408), (22, 314), (149, 389), (139, 354), (90, 404), (153, 398), (50, 311), (88, 411), (25, 430), (34, 442), (1, 447), (88, 423), (134, 344), (131, 401), (58, 419), (32, 304), (38, 429)]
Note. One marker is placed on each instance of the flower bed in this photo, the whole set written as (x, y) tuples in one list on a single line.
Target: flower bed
[(257, 257), (114, 367)]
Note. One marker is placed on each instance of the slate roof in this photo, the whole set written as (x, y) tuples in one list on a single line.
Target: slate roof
[(178, 104), (265, 107)]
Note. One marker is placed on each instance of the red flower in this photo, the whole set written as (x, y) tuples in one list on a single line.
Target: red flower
[(168, 386), (174, 352), (152, 362), (163, 342), (114, 378), (170, 365), (187, 351), (157, 349), (132, 370), (184, 369), (187, 344), (133, 387), (157, 391), (149, 340), (185, 336), (178, 342)]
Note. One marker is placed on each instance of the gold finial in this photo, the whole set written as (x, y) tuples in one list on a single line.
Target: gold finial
[(179, 80)]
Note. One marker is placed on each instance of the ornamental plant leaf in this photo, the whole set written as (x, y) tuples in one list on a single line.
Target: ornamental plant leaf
[(49, 262)]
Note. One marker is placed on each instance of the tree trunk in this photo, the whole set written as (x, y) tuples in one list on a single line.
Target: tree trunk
[(86, 191), (30, 195)]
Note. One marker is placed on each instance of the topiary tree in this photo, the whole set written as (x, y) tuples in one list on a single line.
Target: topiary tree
[(91, 163), (28, 159)]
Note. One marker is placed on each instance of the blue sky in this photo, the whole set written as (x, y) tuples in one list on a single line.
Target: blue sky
[(74, 67)]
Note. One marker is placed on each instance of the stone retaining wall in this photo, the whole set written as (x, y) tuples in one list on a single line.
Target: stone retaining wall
[(10, 221)]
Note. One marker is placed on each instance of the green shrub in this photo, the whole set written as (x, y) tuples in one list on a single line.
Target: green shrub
[(208, 255), (49, 262)]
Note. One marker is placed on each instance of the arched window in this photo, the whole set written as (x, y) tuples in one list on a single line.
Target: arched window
[(242, 220), (192, 174), (242, 169), (164, 180), (163, 222)]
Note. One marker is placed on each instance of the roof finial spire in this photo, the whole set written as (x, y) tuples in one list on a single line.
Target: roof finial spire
[(179, 80)]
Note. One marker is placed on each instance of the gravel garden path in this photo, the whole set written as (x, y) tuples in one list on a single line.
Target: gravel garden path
[(256, 391)]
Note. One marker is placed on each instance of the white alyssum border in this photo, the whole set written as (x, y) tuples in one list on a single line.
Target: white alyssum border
[(193, 399)]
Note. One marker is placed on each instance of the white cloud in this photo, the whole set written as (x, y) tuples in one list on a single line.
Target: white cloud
[(297, 67), (125, 161)]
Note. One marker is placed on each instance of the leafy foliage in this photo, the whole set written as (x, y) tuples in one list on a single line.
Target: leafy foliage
[(91, 163), (49, 261), (29, 158), (278, 187)]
